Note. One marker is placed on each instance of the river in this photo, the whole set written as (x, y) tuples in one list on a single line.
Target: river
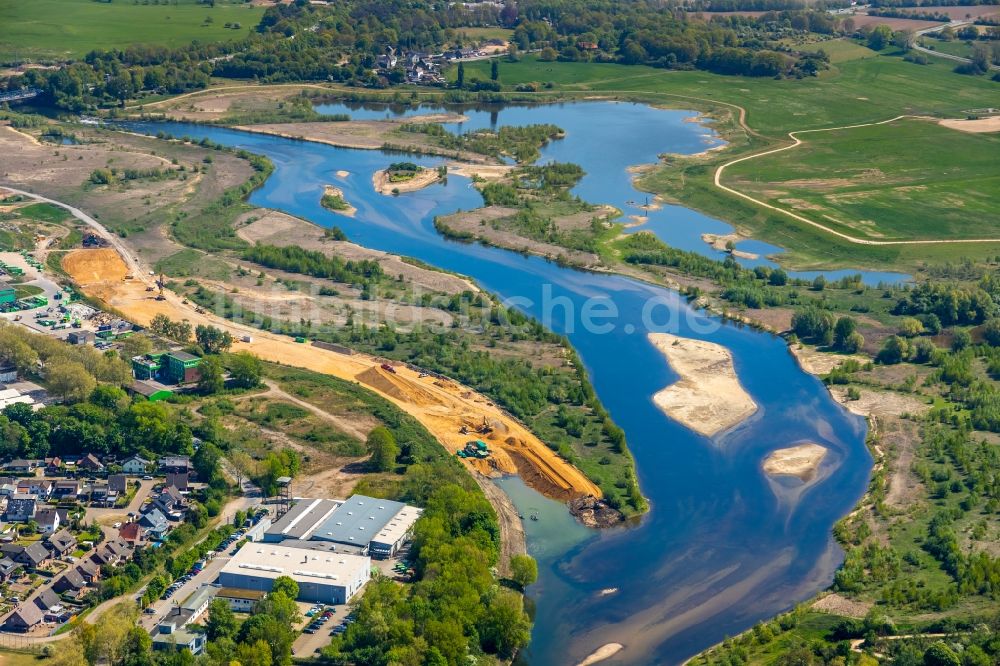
[(722, 546)]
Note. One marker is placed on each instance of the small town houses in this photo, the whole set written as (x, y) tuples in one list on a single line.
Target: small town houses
[(47, 504)]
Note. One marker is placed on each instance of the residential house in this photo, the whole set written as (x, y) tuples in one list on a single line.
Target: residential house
[(48, 521), (53, 466), (178, 480), (111, 552), (118, 484), (175, 464), (71, 581), (47, 600), (31, 556), (66, 489), (21, 466), (173, 638), (154, 523), (40, 487), (21, 508), (171, 503), (24, 618), (8, 569), (8, 486), (100, 495), (89, 571), (133, 534), (135, 465), (61, 543), (90, 463)]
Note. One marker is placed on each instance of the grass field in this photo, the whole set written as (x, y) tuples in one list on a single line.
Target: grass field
[(486, 33), (905, 180), (854, 91), (58, 29), (961, 49)]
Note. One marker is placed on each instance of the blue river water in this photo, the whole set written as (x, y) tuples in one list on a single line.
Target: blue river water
[(723, 545)]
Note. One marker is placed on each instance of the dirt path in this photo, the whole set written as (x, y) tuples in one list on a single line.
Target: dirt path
[(512, 540), (275, 391), (796, 142)]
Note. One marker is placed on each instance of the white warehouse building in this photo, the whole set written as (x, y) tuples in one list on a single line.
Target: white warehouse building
[(323, 577)]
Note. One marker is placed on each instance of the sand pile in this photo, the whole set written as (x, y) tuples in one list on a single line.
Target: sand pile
[(708, 398)]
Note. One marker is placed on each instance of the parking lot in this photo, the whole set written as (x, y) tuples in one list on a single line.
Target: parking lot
[(319, 627)]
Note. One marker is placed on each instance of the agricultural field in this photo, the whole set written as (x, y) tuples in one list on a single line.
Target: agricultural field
[(958, 48), (61, 29), (869, 182)]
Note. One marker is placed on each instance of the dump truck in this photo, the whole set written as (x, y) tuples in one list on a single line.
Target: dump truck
[(388, 368)]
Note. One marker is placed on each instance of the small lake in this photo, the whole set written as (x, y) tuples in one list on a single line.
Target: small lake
[(722, 547)]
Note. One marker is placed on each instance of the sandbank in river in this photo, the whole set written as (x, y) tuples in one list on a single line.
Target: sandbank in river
[(800, 461), (708, 398)]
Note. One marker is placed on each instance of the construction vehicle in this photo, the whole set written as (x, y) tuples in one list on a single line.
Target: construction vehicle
[(388, 368), (159, 283), (485, 428)]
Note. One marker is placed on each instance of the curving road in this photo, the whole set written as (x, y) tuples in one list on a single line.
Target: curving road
[(796, 142)]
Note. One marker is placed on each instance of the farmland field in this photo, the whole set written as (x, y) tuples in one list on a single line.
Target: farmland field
[(60, 29), (906, 180)]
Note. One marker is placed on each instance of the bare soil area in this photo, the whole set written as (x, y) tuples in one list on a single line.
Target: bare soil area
[(978, 126), (445, 408), (276, 228), (838, 605)]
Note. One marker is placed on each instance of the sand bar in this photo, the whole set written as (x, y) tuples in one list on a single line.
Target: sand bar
[(708, 398), (802, 461), (600, 654), (331, 191), (423, 178)]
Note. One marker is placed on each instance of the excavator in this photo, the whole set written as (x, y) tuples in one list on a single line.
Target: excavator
[(159, 284)]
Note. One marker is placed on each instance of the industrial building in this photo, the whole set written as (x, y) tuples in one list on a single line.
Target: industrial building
[(300, 520), (174, 367), (328, 578), (362, 525)]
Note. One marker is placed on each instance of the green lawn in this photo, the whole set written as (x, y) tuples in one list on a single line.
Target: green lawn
[(43, 212), (905, 180), (58, 29), (958, 48)]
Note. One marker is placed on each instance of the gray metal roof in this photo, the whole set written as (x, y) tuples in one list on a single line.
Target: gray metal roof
[(357, 520), (301, 518)]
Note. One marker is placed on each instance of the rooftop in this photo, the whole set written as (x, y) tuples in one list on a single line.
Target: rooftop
[(358, 520), (183, 356), (302, 518), (268, 560)]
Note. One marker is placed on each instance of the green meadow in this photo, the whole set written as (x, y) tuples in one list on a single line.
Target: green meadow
[(59, 29), (906, 180)]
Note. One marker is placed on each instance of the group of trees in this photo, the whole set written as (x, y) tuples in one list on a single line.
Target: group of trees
[(822, 327), (317, 264)]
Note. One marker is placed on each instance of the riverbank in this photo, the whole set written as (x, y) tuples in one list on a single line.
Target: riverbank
[(708, 398)]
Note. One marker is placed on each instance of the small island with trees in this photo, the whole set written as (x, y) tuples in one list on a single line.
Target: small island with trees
[(406, 177), (333, 199)]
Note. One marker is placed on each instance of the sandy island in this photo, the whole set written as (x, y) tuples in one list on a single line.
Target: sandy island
[(708, 398), (600, 654), (331, 191), (343, 174), (801, 461), (423, 178), (718, 242)]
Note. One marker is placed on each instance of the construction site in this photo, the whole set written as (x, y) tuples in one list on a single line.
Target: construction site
[(452, 412)]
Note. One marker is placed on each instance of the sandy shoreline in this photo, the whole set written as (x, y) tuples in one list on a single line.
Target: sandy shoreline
[(424, 178), (800, 461), (331, 191), (708, 398), (718, 242)]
